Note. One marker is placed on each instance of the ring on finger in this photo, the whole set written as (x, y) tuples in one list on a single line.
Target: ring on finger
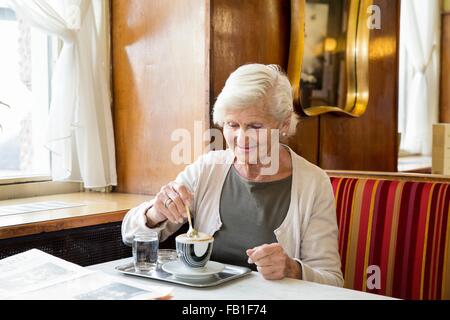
[(167, 202)]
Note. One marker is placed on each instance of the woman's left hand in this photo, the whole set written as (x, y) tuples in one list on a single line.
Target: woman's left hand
[(273, 263)]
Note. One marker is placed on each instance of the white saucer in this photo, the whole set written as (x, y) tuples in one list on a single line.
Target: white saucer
[(178, 269)]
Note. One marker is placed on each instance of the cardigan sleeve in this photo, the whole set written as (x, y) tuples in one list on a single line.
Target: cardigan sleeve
[(319, 255), (136, 221)]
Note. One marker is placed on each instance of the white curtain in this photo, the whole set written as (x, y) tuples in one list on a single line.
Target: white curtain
[(419, 74), (81, 136)]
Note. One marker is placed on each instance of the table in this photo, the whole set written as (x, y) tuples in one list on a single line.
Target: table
[(250, 287), (97, 208), (76, 234)]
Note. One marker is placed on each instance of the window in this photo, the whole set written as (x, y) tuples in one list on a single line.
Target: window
[(26, 61), (419, 70)]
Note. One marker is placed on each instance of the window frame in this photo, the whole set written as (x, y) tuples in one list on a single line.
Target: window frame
[(29, 189), (13, 187)]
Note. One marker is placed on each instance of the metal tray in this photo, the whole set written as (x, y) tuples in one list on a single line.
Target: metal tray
[(230, 272)]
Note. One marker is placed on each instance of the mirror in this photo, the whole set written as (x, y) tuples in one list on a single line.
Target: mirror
[(334, 72)]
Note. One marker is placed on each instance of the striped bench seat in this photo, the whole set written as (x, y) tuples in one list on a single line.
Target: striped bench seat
[(397, 227)]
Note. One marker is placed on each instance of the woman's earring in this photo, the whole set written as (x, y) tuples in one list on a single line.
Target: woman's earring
[(284, 134)]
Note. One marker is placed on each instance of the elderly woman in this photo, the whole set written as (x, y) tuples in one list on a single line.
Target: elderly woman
[(267, 207)]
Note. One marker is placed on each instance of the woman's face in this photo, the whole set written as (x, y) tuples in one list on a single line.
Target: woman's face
[(248, 133)]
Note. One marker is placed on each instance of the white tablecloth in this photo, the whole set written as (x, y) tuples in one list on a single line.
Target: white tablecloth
[(250, 287)]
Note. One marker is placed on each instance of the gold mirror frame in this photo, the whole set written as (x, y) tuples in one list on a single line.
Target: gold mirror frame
[(357, 59)]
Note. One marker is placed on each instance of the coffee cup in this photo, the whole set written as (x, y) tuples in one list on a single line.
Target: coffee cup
[(194, 252)]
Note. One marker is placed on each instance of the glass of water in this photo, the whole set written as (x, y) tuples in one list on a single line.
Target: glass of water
[(145, 251)]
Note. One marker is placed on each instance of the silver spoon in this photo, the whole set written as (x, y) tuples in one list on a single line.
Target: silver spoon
[(192, 233)]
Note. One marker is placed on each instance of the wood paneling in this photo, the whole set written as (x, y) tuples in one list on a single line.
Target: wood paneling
[(369, 142), (306, 139), (161, 83), (333, 142), (255, 31), (171, 60), (250, 31), (445, 69)]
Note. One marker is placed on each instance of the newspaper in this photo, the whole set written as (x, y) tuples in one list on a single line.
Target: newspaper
[(37, 275)]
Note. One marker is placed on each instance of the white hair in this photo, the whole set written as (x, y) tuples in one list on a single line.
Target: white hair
[(257, 84)]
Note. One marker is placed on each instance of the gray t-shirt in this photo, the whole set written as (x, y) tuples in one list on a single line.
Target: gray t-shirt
[(250, 212)]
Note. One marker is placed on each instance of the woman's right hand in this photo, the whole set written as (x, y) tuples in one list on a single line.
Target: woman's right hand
[(170, 204)]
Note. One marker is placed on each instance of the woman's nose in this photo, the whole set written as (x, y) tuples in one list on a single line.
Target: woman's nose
[(241, 137), (244, 137)]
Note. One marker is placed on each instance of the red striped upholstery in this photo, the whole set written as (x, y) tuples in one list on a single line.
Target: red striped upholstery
[(403, 227)]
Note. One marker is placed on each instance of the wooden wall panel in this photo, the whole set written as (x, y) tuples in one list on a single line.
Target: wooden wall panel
[(161, 83), (445, 69), (255, 31), (369, 143), (250, 31), (306, 140)]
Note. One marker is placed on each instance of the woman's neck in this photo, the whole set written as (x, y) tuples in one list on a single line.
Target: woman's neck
[(255, 172)]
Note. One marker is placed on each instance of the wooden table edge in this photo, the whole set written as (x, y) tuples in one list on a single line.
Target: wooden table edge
[(33, 228)]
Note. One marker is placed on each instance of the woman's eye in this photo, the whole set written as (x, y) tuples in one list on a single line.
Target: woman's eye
[(256, 126), (232, 124)]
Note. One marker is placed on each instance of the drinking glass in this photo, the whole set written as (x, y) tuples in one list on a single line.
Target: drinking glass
[(145, 251)]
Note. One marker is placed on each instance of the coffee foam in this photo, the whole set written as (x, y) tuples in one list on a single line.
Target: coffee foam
[(201, 237)]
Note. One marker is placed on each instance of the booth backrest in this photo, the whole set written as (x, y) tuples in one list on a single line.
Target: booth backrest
[(397, 229)]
